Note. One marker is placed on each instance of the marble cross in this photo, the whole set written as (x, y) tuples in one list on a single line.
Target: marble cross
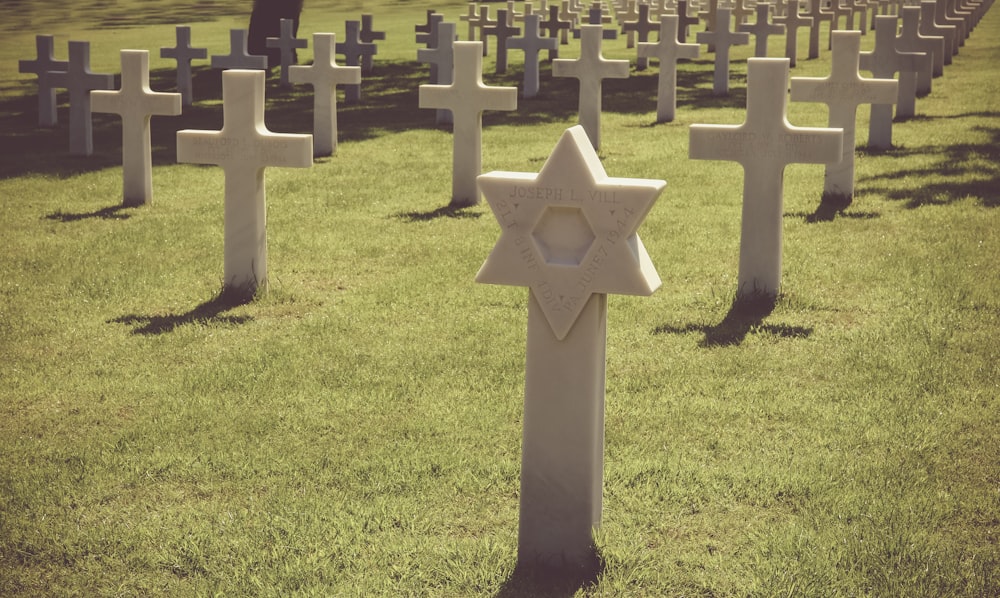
[(667, 50), (556, 25), (711, 16), (911, 40), (471, 17), (762, 29), (136, 103), (941, 17), (532, 43), (286, 43), (930, 28), (792, 21), (79, 81), (43, 66), (569, 14), (482, 23), (596, 17), (818, 14), (841, 14), (425, 32), (843, 90), (243, 148), (354, 51), (723, 38), (763, 145), (859, 8), (884, 61), (684, 20), (441, 57), (368, 35), (467, 97), (324, 74), (238, 57), (183, 53), (642, 26), (568, 233), (502, 31), (591, 68)]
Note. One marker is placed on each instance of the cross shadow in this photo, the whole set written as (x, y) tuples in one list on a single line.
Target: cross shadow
[(746, 316), (108, 213), (445, 212), (552, 582), (208, 312)]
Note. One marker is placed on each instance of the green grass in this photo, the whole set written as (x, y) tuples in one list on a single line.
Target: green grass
[(356, 431)]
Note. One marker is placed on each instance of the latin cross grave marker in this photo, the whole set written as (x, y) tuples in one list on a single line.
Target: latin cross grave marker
[(763, 145), (642, 26), (368, 35), (532, 43), (590, 69), (441, 57), (79, 81), (884, 61), (243, 148), (792, 21), (910, 40), (555, 26), (930, 28), (43, 66), (502, 31), (843, 90), (354, 51), (568, 233), (667, 50), (324, 74), (482, 23), (684, 20), (183, 53), (286, 43), (238, 57), (762, 29), (136, 103), (818, 14), (466, 96), (723, 38)]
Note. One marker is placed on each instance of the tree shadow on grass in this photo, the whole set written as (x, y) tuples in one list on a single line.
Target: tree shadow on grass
[(746, 316), (552, 582), (209, 312)]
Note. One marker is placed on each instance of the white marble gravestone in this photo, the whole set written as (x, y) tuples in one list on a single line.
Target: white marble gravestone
[(503, 32), (324, 74), (471, 17), (286, 44), (368, 35), (136, 103), (79, 81), (43, 66), (532, 43), (930, 28), (911, 40), (243, 148), (667, 50), (355, 53), (441, 57), (557, 26), (482, 22), (466, 96), (792, 22), (238, 57), (763, 145), (642, 25), (884, 61), (183, 53), (684, 20), (818, 13), (591, 68), (843, 91), (427, 34), (722, 39), (761, 29), (568, 233)]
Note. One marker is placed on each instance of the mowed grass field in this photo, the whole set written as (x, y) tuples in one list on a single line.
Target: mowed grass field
[(356, 431)]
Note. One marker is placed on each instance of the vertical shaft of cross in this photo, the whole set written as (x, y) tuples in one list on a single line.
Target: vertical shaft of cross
[(324, 75), (43, 66), (667, 50), (183, 53), (80, 81)]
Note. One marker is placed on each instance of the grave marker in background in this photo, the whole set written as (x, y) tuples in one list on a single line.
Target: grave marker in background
[(667, 51), (238, 57), (243, 148), (79, 81), (368, 35), (324, 74), (502, 31), (930, 28), (43, 66), (532, 43), (441, 57), (761, 29), (763, 145), (910, 40), (286, 44), (792, 20), (722, 38), (568, 233), (884, 61), (354, 51), (183, 53), (136, 103), (467, 97)]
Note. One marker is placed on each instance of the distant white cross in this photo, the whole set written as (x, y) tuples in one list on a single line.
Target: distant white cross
[(668, 50), (136, 103), (792, 22), (239, 57), (884, 61), (183, 53), (80, 82), (532, 43), (43, 66), (286, 43), (722, 38), (324, 74), (761, 29)]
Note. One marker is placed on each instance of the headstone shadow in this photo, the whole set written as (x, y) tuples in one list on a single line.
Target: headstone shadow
[(746, 316), (552, 582), (209, 312), (444, 212), (116, 212)]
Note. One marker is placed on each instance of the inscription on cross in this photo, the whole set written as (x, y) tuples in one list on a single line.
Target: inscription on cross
[(467, 97), (43, 66), (667, 51), (324, 74), (763, 145), (183, 53), (843, 91), (590, 69), (136, 103), (243, 148), (79, 81)]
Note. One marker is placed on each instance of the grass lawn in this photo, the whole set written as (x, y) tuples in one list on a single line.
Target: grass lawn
[(356, 431)]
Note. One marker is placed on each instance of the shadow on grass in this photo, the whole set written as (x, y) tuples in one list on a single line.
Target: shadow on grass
[(461, 212), (746, 316), (551, 582), (209, 312), (108, 213), (830, 208)]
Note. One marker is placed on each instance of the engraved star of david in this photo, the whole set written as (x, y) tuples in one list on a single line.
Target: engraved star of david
[(569, 231)]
